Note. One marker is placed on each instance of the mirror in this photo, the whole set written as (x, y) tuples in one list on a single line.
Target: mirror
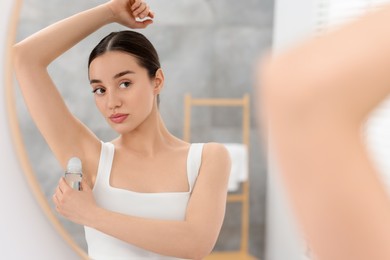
[(207, 48), (15, 163)]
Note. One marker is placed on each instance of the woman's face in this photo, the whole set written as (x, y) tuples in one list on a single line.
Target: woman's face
[(124, 93)]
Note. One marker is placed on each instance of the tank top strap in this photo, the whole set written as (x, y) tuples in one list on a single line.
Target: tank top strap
[(105, 164), (194, 162)]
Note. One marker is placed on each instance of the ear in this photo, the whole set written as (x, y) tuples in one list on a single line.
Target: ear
[(158, 81)]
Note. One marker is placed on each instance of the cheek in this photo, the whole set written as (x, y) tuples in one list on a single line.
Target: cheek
[(144, 95), (99, 104)]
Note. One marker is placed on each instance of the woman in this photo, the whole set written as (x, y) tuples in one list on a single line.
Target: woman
[(317, 97), (145, 194)]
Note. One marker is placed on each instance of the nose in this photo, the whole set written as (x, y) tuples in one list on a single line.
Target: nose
[(113, 100)]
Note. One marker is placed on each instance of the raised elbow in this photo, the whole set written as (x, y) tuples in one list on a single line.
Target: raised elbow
[(20, 58), (24, 57), (17, 56)]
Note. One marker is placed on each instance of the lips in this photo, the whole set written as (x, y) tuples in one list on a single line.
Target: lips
[(118, 118)]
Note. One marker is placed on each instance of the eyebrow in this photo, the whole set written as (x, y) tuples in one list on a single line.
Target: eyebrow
[(118, 75)]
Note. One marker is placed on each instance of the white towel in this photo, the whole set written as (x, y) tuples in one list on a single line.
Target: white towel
[(239, 169)]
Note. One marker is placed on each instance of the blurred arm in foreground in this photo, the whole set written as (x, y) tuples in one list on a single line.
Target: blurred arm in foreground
[(316, 97)]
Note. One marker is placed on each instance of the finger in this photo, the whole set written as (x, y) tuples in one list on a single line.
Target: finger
[(140, 9), (59, 195), (135, 5), (145, 12), (85, 186), (58, 209), (55, 201), (58, 189), (64, 186), (151, 14)]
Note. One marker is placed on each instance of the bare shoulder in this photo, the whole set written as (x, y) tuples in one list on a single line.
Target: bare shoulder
[(216, 153), (214, 169)]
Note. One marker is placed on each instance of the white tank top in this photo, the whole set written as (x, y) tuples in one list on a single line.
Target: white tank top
[(162, 206)]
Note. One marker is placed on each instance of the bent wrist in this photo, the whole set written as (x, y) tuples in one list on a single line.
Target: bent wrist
[(109, 15)]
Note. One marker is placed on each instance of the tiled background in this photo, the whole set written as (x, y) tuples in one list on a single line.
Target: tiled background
[(208, 49)]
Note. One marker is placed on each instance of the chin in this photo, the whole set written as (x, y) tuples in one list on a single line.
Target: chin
[(122, 128)]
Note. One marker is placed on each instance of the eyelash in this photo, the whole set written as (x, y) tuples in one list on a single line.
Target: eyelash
[(127, 84), (97, 89)]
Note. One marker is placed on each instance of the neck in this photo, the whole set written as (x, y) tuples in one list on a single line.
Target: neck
[(148, 138)]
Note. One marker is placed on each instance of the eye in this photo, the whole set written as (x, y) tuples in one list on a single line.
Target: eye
[(125, 84), (99, 91)]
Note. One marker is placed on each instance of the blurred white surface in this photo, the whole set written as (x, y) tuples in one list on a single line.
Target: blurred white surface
[(239, 165)]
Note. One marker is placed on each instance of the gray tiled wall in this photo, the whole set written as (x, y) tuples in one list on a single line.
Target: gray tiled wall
[(207, 48)]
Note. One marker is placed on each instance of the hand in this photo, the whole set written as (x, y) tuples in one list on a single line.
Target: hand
[(126, 11), (74, 205)]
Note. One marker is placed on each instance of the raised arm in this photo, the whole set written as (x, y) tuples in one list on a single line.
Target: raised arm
[(65, 135), (317, 97)]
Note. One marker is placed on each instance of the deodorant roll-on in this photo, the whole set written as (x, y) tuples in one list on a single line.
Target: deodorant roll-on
[(74, 173)]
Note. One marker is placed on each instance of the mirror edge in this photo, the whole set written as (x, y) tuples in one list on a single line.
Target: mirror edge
[(17, 136)]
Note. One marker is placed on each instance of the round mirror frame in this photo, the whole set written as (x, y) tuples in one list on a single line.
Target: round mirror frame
[(17, 136)]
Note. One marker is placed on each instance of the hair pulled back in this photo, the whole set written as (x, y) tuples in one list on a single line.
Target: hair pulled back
[(132, 43)]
